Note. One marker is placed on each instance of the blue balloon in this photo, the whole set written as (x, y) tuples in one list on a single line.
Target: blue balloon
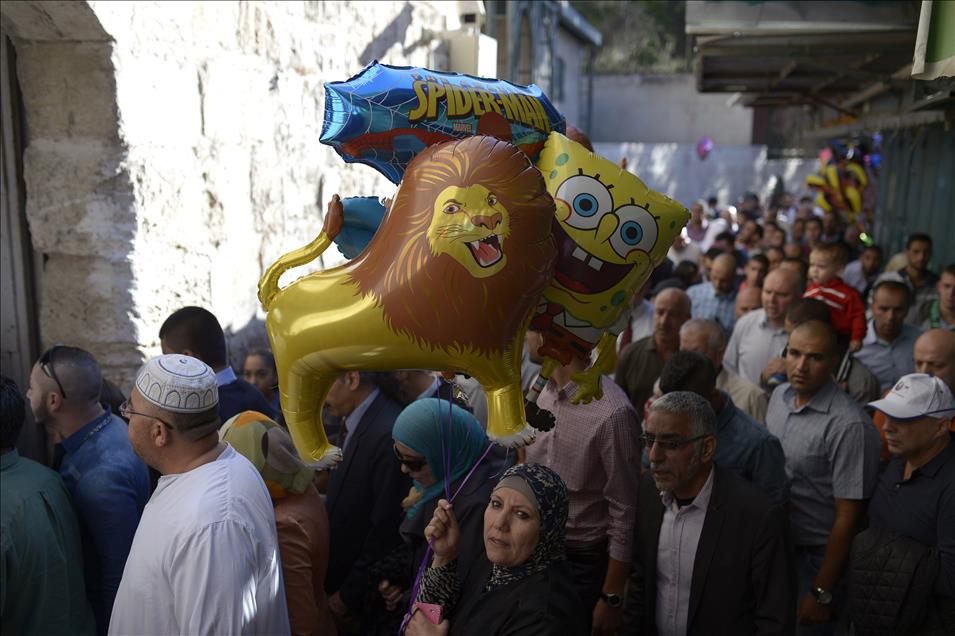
[(386, 115), (362, 215)]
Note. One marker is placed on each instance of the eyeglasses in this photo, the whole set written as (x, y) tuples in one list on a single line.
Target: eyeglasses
[(46, 365), (414, 465), (669, 444), (126, 411)]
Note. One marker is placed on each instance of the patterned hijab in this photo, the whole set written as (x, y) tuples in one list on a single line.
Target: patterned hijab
[(448, 437), (552, 504), (271, 451)]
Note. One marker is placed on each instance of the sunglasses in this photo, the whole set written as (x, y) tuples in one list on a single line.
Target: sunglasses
[(414, 465), (669, 444), (46, 365)]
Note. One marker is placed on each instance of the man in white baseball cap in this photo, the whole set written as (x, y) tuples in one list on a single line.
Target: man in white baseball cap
[(917, 396), (205, 556), (916, 495)]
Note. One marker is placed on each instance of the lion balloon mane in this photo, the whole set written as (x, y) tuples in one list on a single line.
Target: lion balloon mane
[(449, 283)]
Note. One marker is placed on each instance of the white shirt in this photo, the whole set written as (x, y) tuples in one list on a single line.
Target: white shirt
[(641, 322), (680, 534), (354, 418), (205, 557), (755, 341)]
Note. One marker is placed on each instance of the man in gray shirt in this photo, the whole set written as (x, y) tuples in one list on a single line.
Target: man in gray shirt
[(832, 461), (887, 347), (754, 349)]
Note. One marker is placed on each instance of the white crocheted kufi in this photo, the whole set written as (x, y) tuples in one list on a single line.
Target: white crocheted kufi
[(178, 383)]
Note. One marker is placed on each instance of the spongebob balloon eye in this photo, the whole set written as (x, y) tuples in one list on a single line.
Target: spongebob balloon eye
[(637, 231), (588, 199)]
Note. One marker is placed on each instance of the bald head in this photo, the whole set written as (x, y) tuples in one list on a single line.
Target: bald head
[(781, 287), (748, 300), (935, 354), (723, 273), (674, 297)]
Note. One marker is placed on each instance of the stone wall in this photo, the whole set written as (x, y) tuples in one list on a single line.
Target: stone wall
[(173, 154)]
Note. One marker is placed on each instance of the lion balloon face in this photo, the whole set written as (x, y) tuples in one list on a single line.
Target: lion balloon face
[(470, 225)]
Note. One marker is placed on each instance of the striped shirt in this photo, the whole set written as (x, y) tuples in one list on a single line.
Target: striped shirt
[(708, 304), (594, 449)]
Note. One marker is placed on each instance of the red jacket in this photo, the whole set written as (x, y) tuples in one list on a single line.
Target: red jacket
[(845, 307)]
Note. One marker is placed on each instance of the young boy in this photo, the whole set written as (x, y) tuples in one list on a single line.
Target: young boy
[(826, 261), (756, 269)]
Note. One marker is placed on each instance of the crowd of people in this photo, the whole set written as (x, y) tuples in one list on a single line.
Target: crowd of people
[(773, 455)]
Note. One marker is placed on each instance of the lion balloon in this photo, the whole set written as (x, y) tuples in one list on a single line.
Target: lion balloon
[(449, 282)]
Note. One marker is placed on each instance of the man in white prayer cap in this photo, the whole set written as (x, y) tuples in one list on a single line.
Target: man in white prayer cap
[(205, 556)]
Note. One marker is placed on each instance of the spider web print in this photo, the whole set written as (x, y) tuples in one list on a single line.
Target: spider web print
[(367, 126)]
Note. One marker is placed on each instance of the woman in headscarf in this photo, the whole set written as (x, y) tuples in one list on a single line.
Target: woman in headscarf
[(435, 442), (300, 517), (522, 586)]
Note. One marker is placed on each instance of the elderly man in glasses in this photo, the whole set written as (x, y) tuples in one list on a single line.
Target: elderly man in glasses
[(205, 559), (712, 553), (108, 483)]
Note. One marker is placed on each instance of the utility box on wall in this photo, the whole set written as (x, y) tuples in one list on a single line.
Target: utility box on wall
[(472, 52)]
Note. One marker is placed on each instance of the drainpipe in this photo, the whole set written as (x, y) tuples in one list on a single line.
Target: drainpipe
[(590, 91)]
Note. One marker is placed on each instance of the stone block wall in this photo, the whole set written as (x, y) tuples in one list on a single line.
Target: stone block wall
[(173, 154)]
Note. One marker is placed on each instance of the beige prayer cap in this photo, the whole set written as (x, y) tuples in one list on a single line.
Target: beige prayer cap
[(178, 383)]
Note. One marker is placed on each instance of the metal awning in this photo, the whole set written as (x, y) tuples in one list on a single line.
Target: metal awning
[(785, 53)]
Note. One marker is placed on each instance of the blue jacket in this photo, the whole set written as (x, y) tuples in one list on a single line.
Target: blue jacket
[(110, 486)]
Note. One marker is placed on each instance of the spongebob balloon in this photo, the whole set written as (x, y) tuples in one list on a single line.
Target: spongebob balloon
[(611, 231)]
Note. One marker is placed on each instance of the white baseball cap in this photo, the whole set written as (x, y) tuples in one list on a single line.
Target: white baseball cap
[(917, 395)]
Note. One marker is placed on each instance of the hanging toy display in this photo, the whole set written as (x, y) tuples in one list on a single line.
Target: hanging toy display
[(386, 115), (447, 282), (840, 181)]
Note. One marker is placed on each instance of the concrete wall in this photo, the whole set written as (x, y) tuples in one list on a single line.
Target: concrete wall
[(665, 109), (172, 152), (727, 173), (574, 55)]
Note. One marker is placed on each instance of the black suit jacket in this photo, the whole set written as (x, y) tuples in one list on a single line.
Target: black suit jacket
[(744, 579), (364, 503), (239, 396)]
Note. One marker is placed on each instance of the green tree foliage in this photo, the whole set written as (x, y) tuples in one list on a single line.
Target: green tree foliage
[(640, 36)]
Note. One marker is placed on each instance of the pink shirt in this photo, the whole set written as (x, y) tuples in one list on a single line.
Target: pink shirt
[(595, 451)]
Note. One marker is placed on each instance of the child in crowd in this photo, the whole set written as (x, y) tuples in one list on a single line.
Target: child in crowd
[(755, 271), (826, 261)]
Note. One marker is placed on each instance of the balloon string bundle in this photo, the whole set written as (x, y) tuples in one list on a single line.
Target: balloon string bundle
[(427, 554)]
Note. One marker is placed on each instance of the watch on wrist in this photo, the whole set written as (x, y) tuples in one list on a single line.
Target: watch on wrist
[(613, 600), (823, 597)]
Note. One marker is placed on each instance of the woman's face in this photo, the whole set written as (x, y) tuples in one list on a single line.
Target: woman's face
[(511, 528), (258, 373), (414, 465)]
